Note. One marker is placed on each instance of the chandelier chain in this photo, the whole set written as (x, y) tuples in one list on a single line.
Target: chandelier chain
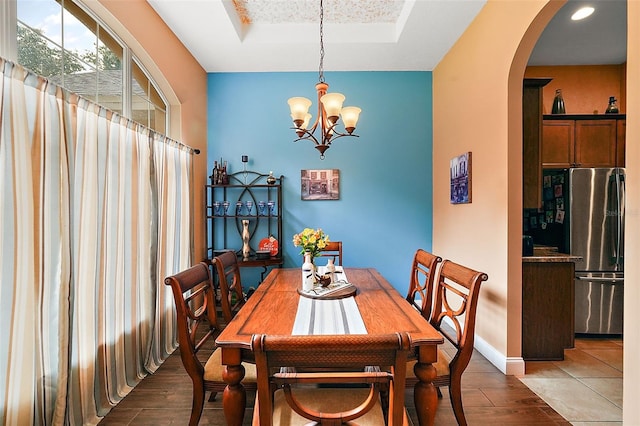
[(321, 68), (330, 110)]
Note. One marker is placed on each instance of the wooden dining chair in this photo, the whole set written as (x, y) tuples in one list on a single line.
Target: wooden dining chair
[(320, 377), (197, 324), (423, 272), (334, 250), (454, 316), (229, 281)]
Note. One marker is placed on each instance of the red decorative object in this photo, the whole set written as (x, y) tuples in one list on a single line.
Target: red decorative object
[(270, 244)]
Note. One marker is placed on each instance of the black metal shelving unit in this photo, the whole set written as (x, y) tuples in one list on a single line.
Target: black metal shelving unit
[(224, 226)]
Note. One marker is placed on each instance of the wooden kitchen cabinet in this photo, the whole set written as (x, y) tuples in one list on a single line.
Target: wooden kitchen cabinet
[(583, 141), (548, 293), (621, 143), (558, 145), (595, 143), (531, 141)]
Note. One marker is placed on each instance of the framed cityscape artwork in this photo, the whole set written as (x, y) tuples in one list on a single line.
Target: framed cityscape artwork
[(320, 184), (460, 175)]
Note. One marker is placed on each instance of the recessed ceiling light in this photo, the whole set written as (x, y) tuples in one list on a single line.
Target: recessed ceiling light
[(582, 13)]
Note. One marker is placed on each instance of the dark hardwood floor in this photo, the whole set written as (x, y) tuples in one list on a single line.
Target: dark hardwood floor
[(490, 398)]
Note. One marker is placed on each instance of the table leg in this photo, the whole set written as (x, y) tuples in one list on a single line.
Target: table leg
[(234, 397), (425, 394)]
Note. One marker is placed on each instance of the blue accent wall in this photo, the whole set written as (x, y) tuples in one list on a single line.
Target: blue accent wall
[(385, 208)]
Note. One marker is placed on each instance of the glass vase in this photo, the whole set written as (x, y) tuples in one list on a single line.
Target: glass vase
[(246, 249)]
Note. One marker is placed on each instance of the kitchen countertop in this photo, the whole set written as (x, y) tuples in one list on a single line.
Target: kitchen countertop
[(544, 254)]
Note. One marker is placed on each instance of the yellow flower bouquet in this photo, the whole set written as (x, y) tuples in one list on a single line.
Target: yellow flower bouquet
[(311, 240)]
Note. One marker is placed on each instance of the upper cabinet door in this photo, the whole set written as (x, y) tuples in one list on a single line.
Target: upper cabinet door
[(558, 143), (580, 142), (595, 143)]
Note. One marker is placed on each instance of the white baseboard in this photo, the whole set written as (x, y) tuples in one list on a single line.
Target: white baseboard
[(511, 366)]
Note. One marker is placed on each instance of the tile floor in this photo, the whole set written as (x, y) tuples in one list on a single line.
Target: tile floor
[(586, 387)]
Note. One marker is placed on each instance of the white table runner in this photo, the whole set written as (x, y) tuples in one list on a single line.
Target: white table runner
[(317, 316)]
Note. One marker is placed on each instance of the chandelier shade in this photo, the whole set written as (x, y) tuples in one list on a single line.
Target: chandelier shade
[(350, 117), (299, 109), (330, 110), (332, 103)]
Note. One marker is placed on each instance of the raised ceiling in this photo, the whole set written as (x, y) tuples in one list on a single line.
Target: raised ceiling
[(283, 35), (305, 11), (371, 35)]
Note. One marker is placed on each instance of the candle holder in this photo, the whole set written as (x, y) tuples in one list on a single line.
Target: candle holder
[(245, 160)]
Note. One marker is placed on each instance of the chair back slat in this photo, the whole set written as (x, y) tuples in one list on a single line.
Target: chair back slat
[(230, 284), (423, 271)]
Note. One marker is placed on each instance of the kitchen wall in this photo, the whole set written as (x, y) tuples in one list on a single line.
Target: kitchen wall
[(384, 211), (585, 88)]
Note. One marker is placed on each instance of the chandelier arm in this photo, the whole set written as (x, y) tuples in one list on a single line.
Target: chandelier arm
[(341, 135), (329, 132), (315, 123), (307, 135)]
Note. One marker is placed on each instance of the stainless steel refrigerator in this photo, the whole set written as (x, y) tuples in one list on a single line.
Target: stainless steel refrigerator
[(594, 230)]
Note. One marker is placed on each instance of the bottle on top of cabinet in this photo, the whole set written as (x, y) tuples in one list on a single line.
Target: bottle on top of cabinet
[(612, 108), (271, 179), (558, 103)]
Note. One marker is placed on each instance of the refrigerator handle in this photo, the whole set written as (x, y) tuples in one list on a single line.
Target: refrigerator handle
[(620, 231), (614, 217), (612, 281)]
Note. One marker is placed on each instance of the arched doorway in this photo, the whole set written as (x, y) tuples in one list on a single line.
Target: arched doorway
[(629, 408)]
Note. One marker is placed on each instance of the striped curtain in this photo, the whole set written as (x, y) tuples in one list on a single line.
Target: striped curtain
[(95, 211)]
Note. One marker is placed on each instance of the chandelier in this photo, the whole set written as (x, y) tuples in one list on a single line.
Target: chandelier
[(329, 110)]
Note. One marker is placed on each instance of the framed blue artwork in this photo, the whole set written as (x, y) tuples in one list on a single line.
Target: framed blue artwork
[(460, 174)]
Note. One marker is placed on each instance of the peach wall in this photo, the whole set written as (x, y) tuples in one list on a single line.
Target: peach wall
[(585, 88), (179, 76), (631, 390), (478, 107)]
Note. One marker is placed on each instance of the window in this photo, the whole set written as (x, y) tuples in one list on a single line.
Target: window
[(61, 40), (147, 106)]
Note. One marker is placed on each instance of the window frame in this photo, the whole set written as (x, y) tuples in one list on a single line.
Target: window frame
[(9, 50)]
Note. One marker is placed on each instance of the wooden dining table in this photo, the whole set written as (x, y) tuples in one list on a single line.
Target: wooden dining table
[(273, 309)]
